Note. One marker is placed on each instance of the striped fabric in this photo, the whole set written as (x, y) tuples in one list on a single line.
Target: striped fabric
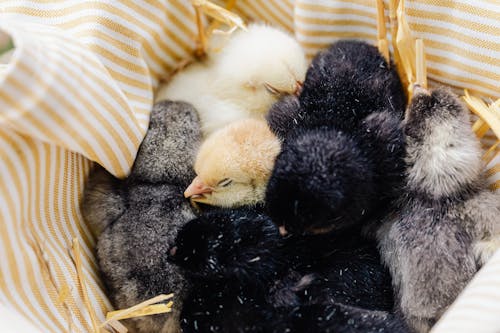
[(79, 88), (462, 37), (476, 310)]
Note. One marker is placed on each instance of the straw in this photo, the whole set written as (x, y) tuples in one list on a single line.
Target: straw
[(491, 171), (75, 248), (393, 21), (383, 45), (201, 43), (489, 114), (215, 24), (217, 13), (420, 64), (148, 307), (116, 326), (405, 44), (147, 311), (491, 153), (480, 127)]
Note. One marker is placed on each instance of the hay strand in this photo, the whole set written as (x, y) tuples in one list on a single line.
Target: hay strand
[(480, 127), (489, 114), (116, 326), (420, 64), (148, 307), (383, 44), (216, 24), (146, 311), (220, 15), (406, 48), (201, 42), (491, 153), (77, 259), (393, 22)]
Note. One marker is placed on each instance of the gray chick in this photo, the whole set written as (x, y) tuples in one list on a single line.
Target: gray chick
[(136, 218), (444, 209)]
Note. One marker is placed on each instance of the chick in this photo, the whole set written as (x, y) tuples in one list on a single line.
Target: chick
[(140, 216), (325, 180), (322, 181), (343, 146), (251, 72), (443, 209), (245, 277), (343, 85), (347, 82), (234, 164)]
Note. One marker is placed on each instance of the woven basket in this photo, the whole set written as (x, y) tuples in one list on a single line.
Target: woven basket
[(78, 88)]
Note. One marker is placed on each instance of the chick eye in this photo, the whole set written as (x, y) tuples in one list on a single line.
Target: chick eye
[(225, 182), (271, 89)]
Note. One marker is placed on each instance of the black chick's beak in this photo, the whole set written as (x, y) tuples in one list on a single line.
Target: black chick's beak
[(172, 255), (298, 88)]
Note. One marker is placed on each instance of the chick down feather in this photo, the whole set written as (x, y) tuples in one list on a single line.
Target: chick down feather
[(139, 216)]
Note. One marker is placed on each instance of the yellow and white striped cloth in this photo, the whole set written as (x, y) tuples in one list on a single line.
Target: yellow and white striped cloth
[(79, 88)]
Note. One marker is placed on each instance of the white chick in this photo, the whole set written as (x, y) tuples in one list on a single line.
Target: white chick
[(234, 164), (243, 80)]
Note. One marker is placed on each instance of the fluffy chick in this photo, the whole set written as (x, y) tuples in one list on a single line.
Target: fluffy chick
[(443, 209), (343, 144), (322, 181), (251, 72), (347, 82), (325, 179), (344, 84), (245, 277), (140, 216), (233, 165)]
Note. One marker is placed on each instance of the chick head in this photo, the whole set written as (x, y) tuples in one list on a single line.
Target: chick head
[(321, 182), (234, 164), (258, 66), (443, 155)]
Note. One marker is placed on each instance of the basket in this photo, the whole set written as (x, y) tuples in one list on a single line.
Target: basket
[(78, 87)]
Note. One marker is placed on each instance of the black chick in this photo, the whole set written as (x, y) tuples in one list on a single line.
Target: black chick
[(245, 277), (321, 181), (347, 82), (344, 84), (325, 179), (140, 216), (342, 156)]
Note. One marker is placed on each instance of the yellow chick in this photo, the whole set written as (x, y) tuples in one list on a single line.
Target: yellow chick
[(243, 80), (234, 164)]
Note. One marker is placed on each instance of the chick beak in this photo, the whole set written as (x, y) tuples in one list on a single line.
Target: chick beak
[(418, 89), (197, 187), (283, 231), (298, 88)]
